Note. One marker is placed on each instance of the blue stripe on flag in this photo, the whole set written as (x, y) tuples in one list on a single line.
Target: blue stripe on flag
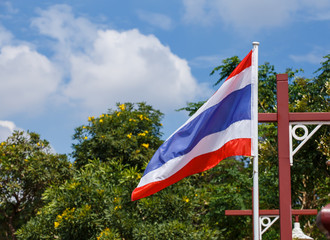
[(235, 107)]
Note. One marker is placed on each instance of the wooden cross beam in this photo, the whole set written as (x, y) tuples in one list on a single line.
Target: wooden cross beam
[(283, 118), (274, 212)]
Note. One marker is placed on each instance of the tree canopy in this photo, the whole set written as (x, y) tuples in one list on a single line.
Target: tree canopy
[(129, 135), (27, 167), (110, 153)]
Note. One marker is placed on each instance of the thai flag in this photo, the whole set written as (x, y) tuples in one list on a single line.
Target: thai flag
[(221, 128)]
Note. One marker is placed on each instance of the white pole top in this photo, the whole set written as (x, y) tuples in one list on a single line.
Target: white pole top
[(255, 43)]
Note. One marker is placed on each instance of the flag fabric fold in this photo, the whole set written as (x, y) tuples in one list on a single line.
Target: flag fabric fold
[(221, 128)]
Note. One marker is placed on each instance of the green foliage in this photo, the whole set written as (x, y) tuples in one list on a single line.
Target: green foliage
[(129, 135), (267, 88), (27, 168), (229, 188), (95, 204), (83, 206), (111, 152), (191, 107), (224, 70)]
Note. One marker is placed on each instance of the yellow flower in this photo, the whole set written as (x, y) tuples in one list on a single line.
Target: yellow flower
[(101, 120), (87, 207), (3, 143), (118, 113), (84, 127), (56, 224), (101, 116), (146, 131), (104, 232), (129, 135), (100, 191), (26, 160), (146, 145), (70, 165), (38, 144), (74, 185), (14, 146), (141, 117), (186, 199), (141, 134), (90, 118), (122, 107), (86, 137)]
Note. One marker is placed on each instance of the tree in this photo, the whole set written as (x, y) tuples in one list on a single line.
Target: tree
[(128, 135), (95, 202), (27, 167)]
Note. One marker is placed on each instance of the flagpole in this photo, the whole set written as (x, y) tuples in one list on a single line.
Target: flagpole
[(256, 223)]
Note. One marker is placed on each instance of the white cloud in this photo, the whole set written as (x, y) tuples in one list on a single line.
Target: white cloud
[(91, 69), (27, 80), (8, 124), (312, 57), (59, 23), (317, 10), (70, 33), (199, 11), (5, 36), (129, 66), (6, 129), (254, 15), (110, 66), (206, 61), (6, 8), (156, 19)]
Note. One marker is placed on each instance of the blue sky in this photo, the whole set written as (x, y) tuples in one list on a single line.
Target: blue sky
[(62, 61)]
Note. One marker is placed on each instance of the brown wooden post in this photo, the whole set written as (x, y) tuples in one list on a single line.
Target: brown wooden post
[(284, 156)]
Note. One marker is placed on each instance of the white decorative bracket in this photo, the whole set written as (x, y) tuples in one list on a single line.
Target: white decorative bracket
[(266, 222), (304, 138)]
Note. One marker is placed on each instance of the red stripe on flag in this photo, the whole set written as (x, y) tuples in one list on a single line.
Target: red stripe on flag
[(245, 63), (236, 147)]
